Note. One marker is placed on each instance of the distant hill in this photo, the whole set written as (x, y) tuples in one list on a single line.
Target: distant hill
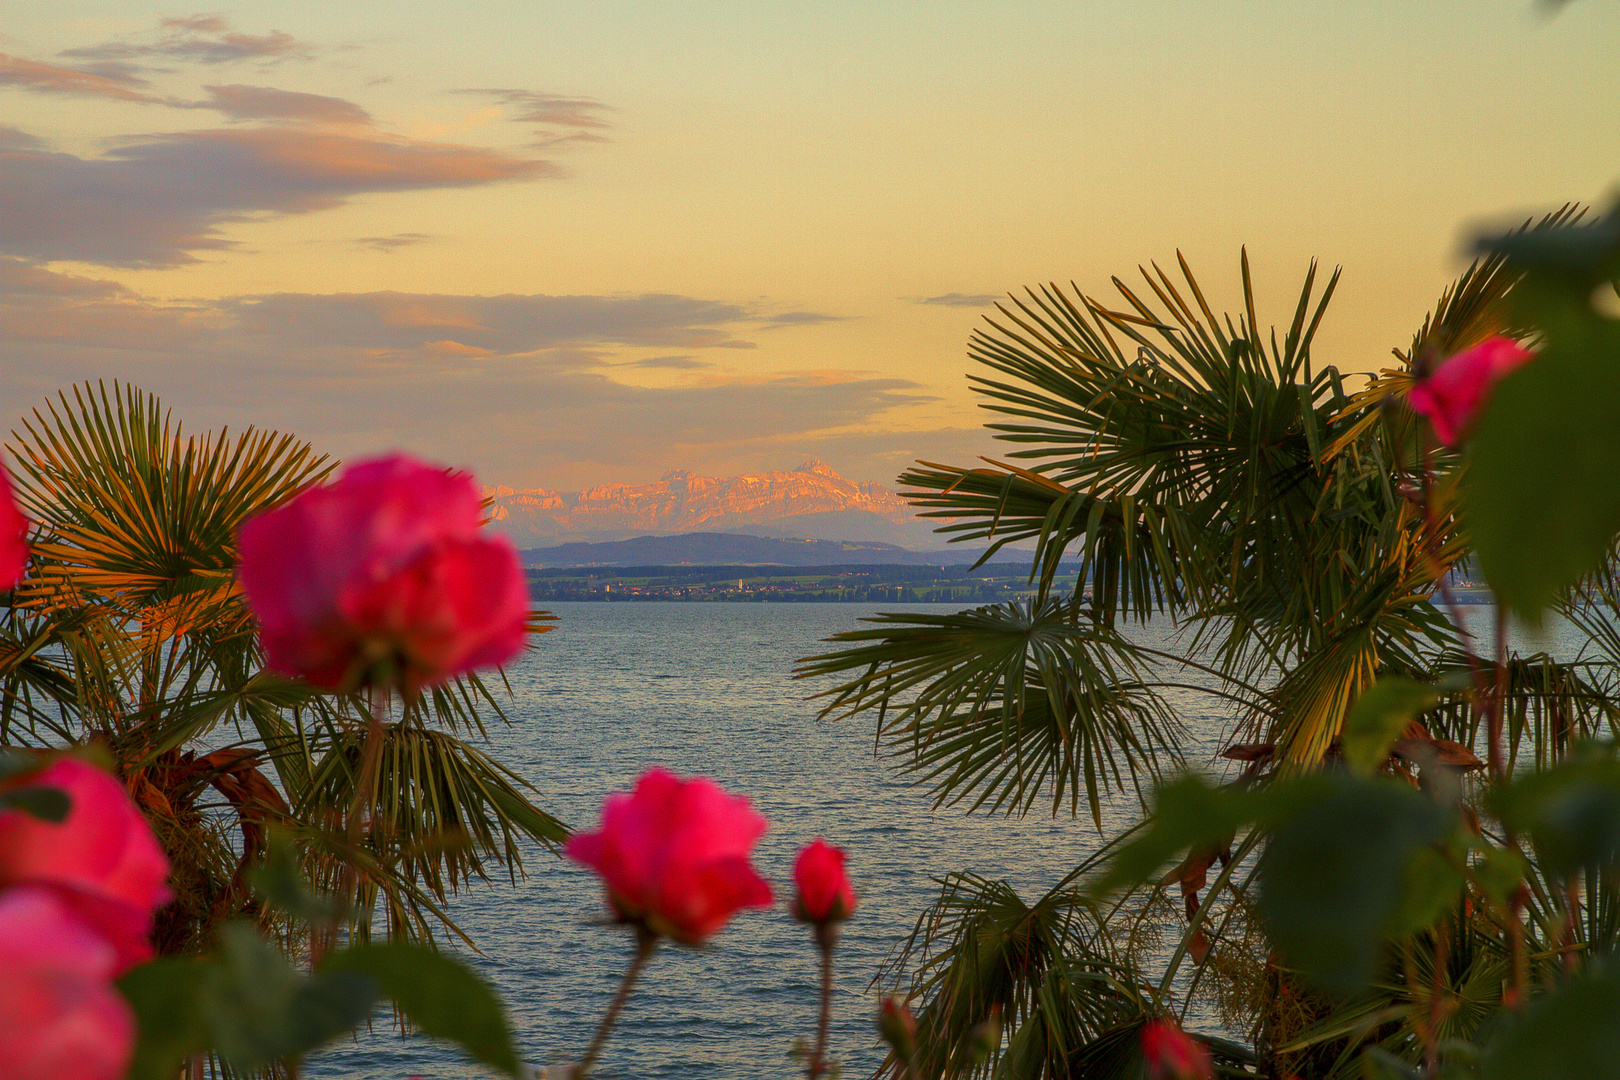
[(734, 549), (809, 502)]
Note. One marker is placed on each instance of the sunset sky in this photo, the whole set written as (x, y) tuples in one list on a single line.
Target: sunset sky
[(570, 244)]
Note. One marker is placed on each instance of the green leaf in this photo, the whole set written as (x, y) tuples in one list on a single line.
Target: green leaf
[(167, 998), (1569, 1034), (1334, 881), (1500, 871), (282, 884), (45, 803), (12, 763), (1188, 814), (1540, 498), (1379, 716), (259, 1009), (1430, 884), (1571, 812), (1582, 254), (439, 995)]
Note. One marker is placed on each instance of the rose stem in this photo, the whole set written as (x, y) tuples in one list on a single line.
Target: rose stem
[(826, 938), (646, 941), (357, 817)]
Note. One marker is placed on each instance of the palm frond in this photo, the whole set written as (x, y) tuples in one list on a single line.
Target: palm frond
[(1005, 701), (982, 951)]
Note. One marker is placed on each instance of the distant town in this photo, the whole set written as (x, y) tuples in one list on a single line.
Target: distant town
[(863, 584)]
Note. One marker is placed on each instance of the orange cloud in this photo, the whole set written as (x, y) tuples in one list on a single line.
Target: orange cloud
[(112, 81)]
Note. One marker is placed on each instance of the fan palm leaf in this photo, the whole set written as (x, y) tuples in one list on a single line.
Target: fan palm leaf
[(131, 627), (981, 951), (1006, 701)]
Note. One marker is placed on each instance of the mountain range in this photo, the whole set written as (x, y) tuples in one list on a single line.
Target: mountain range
[(811, 502)]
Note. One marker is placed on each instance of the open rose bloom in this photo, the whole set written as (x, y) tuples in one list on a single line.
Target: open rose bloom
[(101, 861), (1452, 395), (60, 1016), (384, 571), (13, 533), (674, 855), (77, 898)]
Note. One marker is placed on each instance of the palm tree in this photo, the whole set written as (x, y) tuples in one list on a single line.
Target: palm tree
[(1303, 536), (130, 633)]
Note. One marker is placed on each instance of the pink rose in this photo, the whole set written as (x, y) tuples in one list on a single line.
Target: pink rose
[(1172, 1054), (674, 855), (824, 891), (1453, 393), (102, 859), (60, 1017), (386, 566), (13, 529)]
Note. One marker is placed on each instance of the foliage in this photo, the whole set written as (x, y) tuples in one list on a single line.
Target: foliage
[(1416, 865), (129, 632)]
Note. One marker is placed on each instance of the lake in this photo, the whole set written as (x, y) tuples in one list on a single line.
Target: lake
[(707, 689)]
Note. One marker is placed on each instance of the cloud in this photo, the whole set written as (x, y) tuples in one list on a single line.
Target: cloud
[(800, 318), (200, 39), (518, 387), (884, 454), (116, 81), (12, 139), (207, 24), (20, 279), (670, 363), (555, 141), (158, 201), (266, 103), (45, 310), (397, 323), (956, 299), (554, 110), (390, 244)]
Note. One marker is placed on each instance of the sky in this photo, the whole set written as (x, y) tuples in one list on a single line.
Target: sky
[(564, 244)]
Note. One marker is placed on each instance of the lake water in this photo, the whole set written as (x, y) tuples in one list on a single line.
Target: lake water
[(707, 689)]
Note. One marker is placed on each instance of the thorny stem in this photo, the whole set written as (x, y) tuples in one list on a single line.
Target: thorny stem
[(1495, 702), (1431, 522), (826, 938), (1566, 931), (646, 942), (1495, 705)]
